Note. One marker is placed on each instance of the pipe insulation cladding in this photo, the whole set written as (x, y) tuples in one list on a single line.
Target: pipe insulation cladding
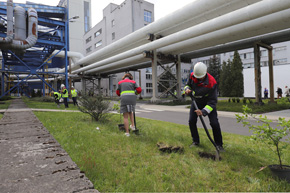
[(241, 16), (267, 24), (191, 14)]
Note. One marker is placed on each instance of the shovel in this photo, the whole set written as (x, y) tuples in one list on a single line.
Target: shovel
[(217, 155), (136, 131)]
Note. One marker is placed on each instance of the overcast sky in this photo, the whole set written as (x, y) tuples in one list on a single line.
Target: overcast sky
[(161, 7)]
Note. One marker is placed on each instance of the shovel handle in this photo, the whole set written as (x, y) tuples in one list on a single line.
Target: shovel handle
[(204, 126)]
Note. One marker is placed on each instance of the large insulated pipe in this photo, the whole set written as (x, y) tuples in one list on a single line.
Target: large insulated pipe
[(239, 16), (32, 32), (75, 56), (126, 62), (267, 24), (192, 10), (9, 35), (20, 23)]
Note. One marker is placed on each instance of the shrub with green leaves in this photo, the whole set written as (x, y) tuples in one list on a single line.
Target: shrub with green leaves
[(264, 132), (244, 100), (234, 100), (238, 100), (97, 107)]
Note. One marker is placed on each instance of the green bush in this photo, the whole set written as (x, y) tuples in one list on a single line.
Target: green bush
[(238, 100), (96, 107), (229, 100), (244, 100), (5, 98), (234, 100), (264, 132)]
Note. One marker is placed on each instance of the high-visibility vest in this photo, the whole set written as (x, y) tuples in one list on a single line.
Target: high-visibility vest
[(74, 93), (58, 95), (66, 94)]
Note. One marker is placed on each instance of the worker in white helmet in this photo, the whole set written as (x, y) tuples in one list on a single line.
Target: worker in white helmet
[(203, 87), (64, 94)]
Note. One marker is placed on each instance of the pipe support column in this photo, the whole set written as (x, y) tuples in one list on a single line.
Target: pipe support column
[(257, 74), (154, 78), (178, 77)]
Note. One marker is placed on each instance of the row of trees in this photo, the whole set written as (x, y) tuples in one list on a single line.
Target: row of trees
[(229, 75)]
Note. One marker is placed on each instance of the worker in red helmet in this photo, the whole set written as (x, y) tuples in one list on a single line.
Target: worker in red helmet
[(128, 89), (203, 87)]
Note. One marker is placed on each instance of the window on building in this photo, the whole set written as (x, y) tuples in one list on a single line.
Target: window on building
[(113, 23), (280, 48), (148, 90), (264, 53), (148, 85), (88, 39), (280, 61), (99, 32), (98, 44), (147, 16), (87, 16), (89, 49), (113, 35), (148, 76)]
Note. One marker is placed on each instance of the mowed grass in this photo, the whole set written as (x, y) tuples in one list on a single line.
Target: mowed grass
[(281, 104), (116, 163), (36, 103)]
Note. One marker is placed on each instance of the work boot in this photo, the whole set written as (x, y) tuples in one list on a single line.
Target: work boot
[(194, 144), (220, 148)]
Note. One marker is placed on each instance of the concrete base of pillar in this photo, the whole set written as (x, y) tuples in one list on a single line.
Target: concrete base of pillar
[(154, 99)]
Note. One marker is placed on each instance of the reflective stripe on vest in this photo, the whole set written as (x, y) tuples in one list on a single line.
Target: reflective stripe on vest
[(66, 94), (73, 93), (128, 92), (58, 95)]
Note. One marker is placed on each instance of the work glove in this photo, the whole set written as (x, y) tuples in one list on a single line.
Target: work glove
[(193, 93)]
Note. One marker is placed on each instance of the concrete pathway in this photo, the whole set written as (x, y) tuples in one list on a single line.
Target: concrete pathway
[(32, 160)]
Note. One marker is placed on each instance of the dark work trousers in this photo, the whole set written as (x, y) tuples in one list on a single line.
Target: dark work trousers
[(75, 100), (65, 102), (214, 123)]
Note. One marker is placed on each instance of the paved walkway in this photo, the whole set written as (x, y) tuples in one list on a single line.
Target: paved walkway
[(32, 160)]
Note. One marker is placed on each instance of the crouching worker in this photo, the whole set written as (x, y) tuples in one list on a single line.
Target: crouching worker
[(57, 97), (128, 89), (203, 87)]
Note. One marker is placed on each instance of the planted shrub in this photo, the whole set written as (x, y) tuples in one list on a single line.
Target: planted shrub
[(250, 101), (238, 100), (244, 100), (263, 131), (96, 107), (234, 100), (229, 100)]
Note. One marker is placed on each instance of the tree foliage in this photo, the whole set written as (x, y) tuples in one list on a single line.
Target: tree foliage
[(96, 107), (225, 79), (237, 76), (214, 68), (231, 78)]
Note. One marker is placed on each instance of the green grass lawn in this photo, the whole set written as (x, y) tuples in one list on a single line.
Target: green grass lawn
[(116, 163), (5, 104), (38, 103)]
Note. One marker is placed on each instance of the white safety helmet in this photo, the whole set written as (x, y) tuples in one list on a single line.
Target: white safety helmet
[(72, 86), (62, 85), (199, 70)]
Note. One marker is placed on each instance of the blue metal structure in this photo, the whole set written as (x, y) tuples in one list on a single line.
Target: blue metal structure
[(36, 61)]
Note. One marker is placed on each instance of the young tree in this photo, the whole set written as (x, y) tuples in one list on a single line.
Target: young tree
[(97, 107), (237, 76), (225, 79)]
